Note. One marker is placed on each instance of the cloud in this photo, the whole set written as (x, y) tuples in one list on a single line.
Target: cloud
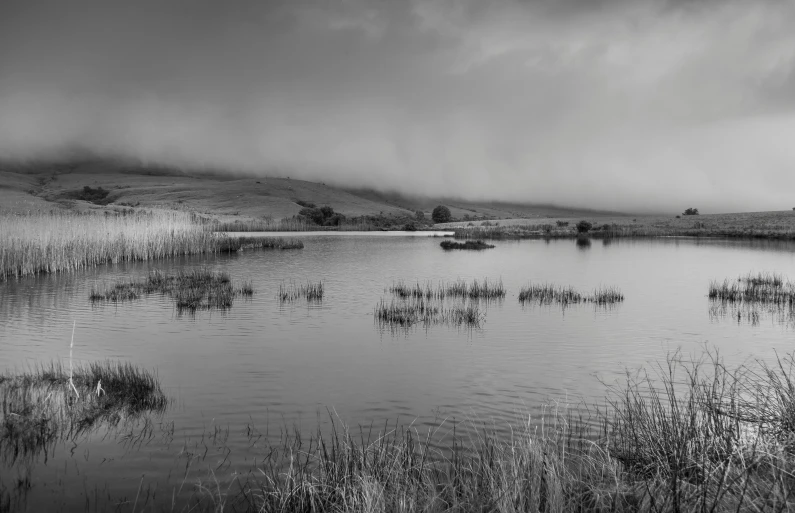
[(638, 105)]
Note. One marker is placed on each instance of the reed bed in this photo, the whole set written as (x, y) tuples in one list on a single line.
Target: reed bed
[(199, 289), (460, 289), (405, 314), (52, 402), (312, 292), (547, 294), (59, 242)]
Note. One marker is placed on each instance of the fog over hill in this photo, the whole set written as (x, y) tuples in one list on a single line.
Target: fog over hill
[(647, 105)]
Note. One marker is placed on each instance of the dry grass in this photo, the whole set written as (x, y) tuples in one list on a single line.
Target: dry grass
[(46, 243)]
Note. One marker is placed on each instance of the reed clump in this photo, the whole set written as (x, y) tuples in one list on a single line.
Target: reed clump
[(753, 296), (407, 313), (36, 243), (764, 289), (243, 243), (547, 294), (485, 289), (52, 402), (469, 244), (312, 292), (198, 289)]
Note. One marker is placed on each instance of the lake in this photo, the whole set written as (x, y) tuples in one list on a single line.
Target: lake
[(238, 378)]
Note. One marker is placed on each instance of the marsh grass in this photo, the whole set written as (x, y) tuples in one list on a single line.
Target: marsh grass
[(469, 244), (427, 312), (459, 289), (58, 242), (312, 292), (52, 402), (199, 289), (547, 294), (688, 435), (243, 243), (752, 297), (765, 289)]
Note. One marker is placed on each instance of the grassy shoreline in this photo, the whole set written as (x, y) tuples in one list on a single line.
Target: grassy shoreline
[(685, 435), (691, 436), (739, 227), (40, 243)]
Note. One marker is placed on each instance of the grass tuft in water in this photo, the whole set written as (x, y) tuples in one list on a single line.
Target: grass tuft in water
[(243, 243), (199, 289), (547, 294), (407, 313), (312, 292), (469, 244), (51, 402), (449, 290)]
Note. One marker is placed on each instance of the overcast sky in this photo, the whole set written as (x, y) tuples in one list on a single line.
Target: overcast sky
[(619, 104)]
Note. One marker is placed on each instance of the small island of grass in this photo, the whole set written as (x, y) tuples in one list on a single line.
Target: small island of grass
[(470, 244)]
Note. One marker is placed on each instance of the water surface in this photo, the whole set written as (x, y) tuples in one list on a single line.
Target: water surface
[(270, 365)]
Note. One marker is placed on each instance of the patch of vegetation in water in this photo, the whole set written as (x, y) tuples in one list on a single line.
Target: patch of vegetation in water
[(408, 313), (200, 289), (231, 244), (36, 242), (312, 292), (753, 297), (547, 294), (765, 289), (457, 289), (469, 244), (52, 402)]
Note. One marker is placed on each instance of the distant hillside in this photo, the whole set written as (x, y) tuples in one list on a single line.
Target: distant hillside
[(37, 186)]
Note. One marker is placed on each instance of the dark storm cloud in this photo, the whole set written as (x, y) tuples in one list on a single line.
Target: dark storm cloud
[(643, 104)]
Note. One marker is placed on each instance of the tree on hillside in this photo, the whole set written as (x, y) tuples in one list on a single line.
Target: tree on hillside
[(441, 214), (691, 212)]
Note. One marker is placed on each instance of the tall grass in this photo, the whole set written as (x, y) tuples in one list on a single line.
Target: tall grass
[(57, 242), (688, 436), (751, 297)]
